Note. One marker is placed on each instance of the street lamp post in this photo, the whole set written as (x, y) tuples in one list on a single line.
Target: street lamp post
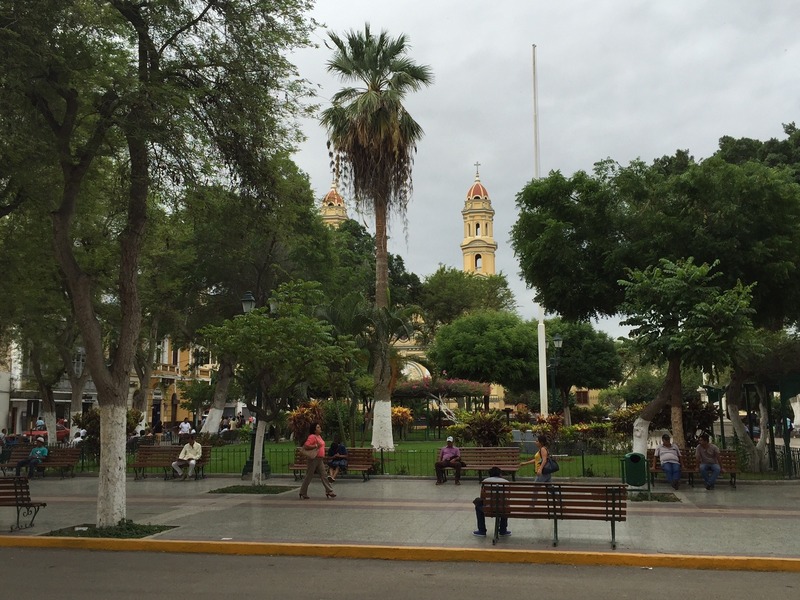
[(554, 360), (248, 304)]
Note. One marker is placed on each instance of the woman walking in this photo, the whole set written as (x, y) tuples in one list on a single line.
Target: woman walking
[(539, 460), (316, 465)]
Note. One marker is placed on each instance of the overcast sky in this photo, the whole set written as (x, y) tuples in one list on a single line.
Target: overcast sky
[(623, 79)]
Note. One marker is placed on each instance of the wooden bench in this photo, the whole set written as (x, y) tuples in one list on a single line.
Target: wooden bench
[(557, 502), (12, 455), (162, 457), (63, 459), (730, 465), (358, 459), (14, 491), (688, 468), (727, 459), (482, 459)]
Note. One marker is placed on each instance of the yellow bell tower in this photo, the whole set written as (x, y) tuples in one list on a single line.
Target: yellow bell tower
[(478, 246), (333, 211)]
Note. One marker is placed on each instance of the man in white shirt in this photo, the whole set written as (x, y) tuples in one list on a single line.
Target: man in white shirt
[(191, 453), (185, 427)]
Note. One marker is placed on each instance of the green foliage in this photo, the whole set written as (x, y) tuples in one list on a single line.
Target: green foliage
[(125, 529), (676, 309), (483, 428), (487, 346), (450, 293), (196, 395)]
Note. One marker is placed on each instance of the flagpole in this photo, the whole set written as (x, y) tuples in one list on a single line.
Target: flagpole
[(536, 171), (542, 337)]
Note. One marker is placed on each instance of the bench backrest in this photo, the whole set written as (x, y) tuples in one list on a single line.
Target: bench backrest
[(600, 502), (688, 458), (65, 455), (18, 453), (164, 453), (354, 456), (729, 461), (14, 490), (497, 456)]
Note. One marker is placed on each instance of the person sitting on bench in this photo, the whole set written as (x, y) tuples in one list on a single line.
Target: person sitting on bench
[(35, 458), (190, 454), (495, 476)]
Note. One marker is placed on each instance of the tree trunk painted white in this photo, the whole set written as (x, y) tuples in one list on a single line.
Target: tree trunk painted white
[(213, 421), (382, 426), (50, 425), (224, 378), (641, 433), (794, 415), (111, 491), (258, 451)]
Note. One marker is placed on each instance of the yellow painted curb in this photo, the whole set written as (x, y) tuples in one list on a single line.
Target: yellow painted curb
[(414, 553)]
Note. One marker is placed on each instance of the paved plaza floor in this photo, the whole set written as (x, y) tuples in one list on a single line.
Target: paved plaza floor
[(757, 519)]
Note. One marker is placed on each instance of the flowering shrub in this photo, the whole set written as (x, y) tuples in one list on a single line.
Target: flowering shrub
[(401, 416), (302, 417), (454, 388)]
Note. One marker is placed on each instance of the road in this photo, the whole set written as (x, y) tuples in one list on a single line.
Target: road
[(78, 574)]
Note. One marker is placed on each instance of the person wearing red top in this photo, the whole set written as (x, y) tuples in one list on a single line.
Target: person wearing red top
[(316, 465)]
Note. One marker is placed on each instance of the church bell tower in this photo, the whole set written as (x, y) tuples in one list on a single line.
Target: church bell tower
[(333, 210), (478, 246)]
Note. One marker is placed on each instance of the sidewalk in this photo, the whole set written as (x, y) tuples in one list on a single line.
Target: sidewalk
[(711, 528)]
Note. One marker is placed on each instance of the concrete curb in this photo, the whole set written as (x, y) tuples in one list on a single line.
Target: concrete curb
[(415, 553)]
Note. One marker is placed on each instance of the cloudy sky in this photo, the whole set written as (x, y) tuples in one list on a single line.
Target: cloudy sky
[(623, 79)]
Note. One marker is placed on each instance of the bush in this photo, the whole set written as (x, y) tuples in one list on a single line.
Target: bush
[(482, 428), (302, 417)]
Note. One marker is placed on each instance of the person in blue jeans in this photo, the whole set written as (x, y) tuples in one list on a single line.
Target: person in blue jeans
[(670, 456), (37, 455), (708, 461), (495, 476)]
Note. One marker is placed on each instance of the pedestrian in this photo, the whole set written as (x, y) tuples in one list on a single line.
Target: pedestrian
[(540, 459), (671, 462), (316, 465)]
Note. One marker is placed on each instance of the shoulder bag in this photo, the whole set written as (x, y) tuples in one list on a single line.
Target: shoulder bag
[(550, 466)]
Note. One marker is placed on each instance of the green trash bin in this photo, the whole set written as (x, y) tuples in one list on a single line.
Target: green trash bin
[(634, 469)]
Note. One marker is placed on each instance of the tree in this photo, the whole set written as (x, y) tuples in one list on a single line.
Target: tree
[(681, 317), (588, 359), (450, 293), (155, 88), (488, 346), (280, 352), (373, 139)]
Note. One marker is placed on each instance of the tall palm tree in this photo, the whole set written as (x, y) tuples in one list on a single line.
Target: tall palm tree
[(372, 140)]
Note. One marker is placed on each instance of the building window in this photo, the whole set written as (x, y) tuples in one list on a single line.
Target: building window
[(582, 397), (478, 262), (477, 230)]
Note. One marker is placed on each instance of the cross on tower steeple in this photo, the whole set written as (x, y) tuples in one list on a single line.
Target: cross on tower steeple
[(477, 170)]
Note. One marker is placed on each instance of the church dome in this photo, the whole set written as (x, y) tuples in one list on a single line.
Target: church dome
[(333, 198), (477, 190)]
